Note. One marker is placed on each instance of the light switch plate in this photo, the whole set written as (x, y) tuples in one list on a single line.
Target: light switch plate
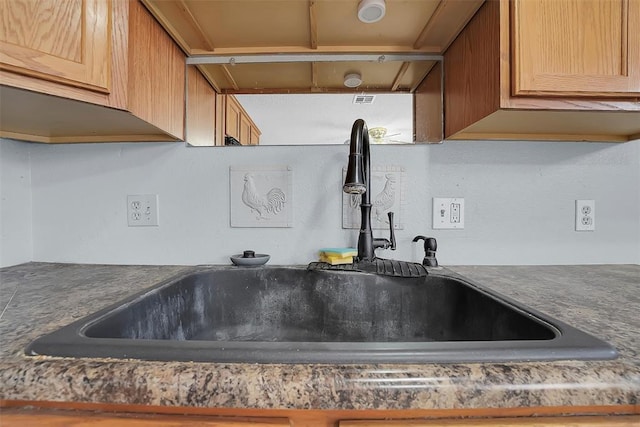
[(448, 213)]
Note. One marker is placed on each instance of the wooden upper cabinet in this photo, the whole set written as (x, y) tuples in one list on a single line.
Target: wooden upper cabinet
[(62, 41), (545, 70), (88, 71), (238, 123), (576, 47)]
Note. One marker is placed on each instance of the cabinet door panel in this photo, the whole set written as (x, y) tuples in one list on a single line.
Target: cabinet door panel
[(255, 136), (576, 47), (62, 41), (232, 127), (245, 130)]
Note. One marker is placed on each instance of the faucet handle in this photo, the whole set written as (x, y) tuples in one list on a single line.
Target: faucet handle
[(389, 243), (392, 233)]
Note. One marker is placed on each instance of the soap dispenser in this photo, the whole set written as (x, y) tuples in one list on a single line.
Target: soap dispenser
[(430, 247)]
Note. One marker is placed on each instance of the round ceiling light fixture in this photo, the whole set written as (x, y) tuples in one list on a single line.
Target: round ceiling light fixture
[(352, 80), (370, 11)]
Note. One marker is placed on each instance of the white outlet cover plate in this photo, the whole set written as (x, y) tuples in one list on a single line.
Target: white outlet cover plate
[(445, 215), (585, 215), (142, 210)]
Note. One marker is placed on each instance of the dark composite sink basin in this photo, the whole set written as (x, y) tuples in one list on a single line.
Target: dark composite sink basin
[(291, 315)]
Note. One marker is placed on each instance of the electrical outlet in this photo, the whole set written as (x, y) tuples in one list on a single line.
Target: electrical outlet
[(448, 213), (142, 210), (585, 215), (455, 213)]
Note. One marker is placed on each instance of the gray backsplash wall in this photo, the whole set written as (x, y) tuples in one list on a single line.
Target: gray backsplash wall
[(519, 202), (16, 244)]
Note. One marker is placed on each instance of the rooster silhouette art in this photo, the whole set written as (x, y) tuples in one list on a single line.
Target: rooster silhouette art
[(271, 203), (385, 199)]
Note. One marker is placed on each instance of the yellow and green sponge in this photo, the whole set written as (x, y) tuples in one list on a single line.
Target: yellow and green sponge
[(335, 256)]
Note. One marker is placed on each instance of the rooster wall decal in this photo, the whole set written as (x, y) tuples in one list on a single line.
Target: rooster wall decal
[(271, 203), (385, 199)]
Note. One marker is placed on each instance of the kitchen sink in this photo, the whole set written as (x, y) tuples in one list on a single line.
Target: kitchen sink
[(293, 315)]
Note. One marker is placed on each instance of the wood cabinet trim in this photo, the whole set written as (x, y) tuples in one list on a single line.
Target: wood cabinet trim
[(15, 418), (80, 139), (221, 115), (49, 418), (330, 416), (574, 104), (566, 421)]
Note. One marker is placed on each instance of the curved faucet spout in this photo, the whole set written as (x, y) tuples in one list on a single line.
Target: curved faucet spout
[(358, 181)]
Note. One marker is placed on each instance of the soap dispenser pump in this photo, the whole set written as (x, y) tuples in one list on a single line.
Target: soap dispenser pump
[(430, 247)]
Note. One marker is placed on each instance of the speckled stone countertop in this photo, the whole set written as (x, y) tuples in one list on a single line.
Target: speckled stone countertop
[(604, 300)]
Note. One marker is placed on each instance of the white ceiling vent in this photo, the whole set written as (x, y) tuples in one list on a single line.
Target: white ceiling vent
[(364, 99)]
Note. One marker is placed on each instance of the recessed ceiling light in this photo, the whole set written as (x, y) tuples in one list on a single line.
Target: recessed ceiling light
[(370, 11), (352, 80)]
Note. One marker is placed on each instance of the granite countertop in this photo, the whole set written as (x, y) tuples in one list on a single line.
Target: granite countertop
[(604, 300)]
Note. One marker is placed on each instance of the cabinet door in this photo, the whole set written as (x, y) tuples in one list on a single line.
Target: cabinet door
[(576, 47), (232, 119), (62, 41), (245, 130), (255, 136)]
